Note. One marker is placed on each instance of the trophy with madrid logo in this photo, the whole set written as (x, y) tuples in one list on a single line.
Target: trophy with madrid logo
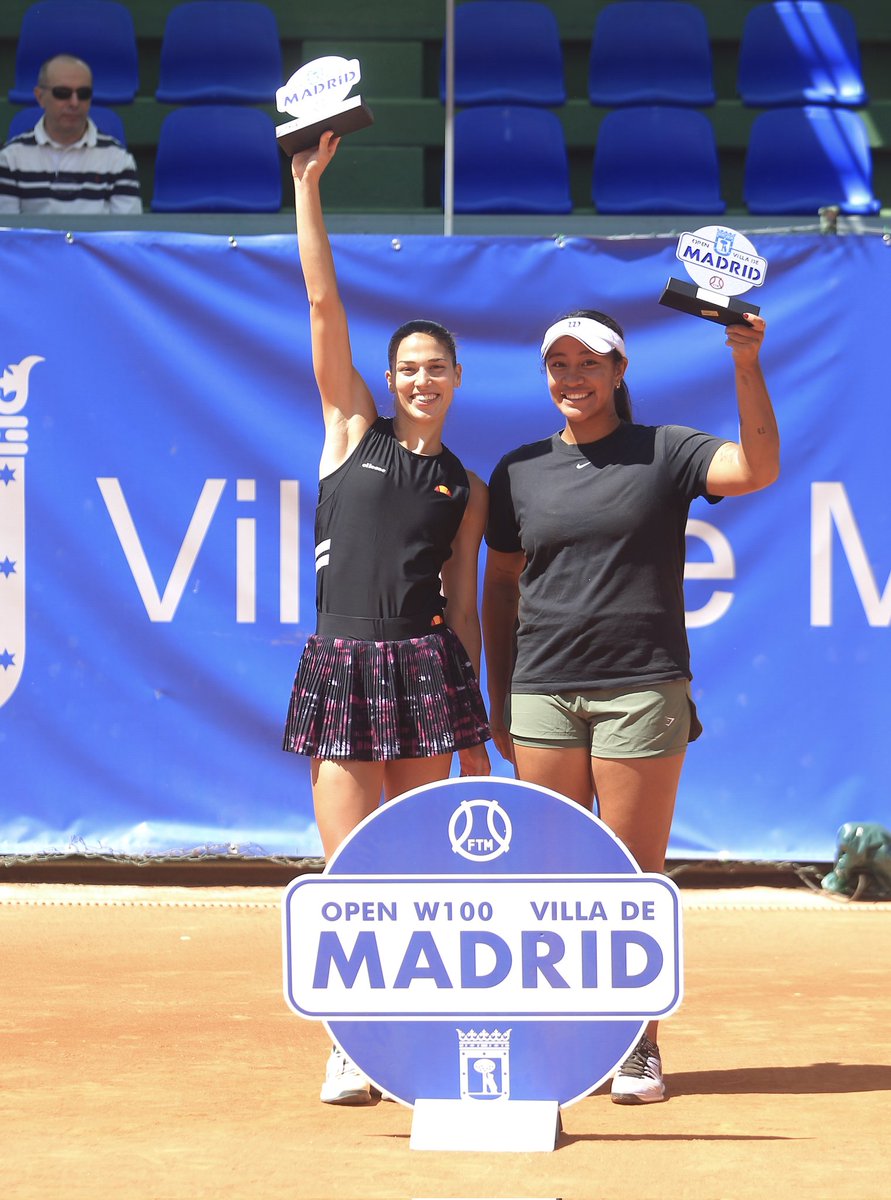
[(317, 98), (722, 265)]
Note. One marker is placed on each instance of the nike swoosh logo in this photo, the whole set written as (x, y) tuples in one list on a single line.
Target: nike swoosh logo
[(578, 466)]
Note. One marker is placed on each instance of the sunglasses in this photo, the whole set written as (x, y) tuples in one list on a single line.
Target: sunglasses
[(65, 93)]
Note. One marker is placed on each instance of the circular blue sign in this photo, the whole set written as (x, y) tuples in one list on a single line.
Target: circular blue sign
[(483, 938)]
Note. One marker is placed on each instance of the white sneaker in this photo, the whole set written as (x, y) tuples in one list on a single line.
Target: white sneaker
[(639, 1078), (344, 1082)]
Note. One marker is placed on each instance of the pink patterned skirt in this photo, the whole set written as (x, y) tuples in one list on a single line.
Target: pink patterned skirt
[(378, 701)]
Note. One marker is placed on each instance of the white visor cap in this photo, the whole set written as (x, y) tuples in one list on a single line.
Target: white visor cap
[(599, 338)]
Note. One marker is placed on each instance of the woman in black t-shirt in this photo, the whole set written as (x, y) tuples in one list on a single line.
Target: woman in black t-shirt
[(583, 611)]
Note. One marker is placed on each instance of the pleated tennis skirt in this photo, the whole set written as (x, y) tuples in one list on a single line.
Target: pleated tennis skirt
[(378, 701)]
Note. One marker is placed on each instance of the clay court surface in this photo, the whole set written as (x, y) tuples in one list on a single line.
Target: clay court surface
[(148, 1054)]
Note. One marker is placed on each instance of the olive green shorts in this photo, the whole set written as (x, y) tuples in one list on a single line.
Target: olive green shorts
[(653, 721)]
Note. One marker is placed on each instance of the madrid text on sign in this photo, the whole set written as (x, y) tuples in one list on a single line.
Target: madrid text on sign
[(503, 946)]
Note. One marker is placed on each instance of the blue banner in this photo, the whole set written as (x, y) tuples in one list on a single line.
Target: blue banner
[(159, 444)]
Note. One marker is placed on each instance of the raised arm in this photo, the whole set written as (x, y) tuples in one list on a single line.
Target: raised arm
[(501, 595), (347, 405), (754, 461), (460, 574)]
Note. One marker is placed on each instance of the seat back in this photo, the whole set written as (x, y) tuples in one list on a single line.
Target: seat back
[(506, 52), (802, 159), (220, 52), (217, 158), (106, 121), (800, 52), (510, 159), (656, 159), (101, 32), (650, 52)]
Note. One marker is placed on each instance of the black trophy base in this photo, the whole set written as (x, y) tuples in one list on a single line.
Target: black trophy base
[(698, 302), (303, 135)]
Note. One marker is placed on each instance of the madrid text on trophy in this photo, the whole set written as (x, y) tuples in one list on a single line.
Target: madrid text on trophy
[(722, 264), (316, 96)]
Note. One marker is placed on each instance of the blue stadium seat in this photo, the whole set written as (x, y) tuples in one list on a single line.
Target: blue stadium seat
[(106, 119), (656, 159), (650, 52), (217, 158), (506, 52), (510, 159), (800, 52), (802, 159), (101, 32), (220, 52)]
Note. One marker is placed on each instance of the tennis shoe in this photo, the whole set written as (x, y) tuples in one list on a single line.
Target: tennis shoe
[(344, 1082), (639, 1078)]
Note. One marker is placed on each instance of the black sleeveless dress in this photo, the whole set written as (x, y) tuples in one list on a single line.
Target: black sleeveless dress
[(384, 677)]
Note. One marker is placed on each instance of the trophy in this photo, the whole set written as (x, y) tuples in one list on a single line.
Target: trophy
[(316, 96), (722, 264)]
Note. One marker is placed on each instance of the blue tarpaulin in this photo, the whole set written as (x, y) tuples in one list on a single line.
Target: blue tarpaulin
[(159, 445)]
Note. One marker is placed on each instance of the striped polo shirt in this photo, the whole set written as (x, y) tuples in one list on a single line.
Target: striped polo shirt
[(93, 175)]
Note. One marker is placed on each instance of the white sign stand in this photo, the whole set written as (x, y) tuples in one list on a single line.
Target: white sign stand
[(513, 1125)]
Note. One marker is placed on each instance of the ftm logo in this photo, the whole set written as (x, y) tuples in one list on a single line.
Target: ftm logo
[(13, 448), (480, 844)]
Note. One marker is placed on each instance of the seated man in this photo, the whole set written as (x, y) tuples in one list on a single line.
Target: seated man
[(64, 165)]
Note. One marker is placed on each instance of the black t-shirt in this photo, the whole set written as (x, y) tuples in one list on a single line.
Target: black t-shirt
[(385, 523), (602, 527)]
